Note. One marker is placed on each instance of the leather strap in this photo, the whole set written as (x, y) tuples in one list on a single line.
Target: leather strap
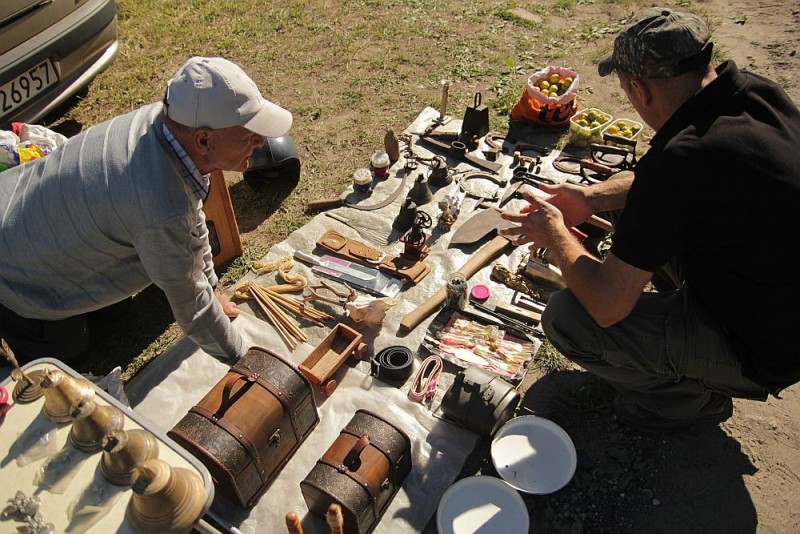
[(424, 384), (392, 364), (359, 252), (236, 433), (348, 466)]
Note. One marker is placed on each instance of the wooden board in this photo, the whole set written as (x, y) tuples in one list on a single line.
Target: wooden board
[(226, 244)]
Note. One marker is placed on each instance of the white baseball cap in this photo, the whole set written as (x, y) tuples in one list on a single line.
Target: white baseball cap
[(212, 92)]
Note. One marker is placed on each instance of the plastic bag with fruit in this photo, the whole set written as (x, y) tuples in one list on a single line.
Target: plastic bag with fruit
[(550, 97)]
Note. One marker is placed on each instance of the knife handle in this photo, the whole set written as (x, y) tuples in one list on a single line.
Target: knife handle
[(598, 222), (475, 263), (325, 203)]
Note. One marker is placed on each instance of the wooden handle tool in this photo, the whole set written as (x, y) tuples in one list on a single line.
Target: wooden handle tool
[(473, 265)]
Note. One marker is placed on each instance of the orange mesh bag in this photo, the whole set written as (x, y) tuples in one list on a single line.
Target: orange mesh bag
[(540, 105)]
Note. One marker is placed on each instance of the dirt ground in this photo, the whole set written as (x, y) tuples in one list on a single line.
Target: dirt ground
[(740, 477)]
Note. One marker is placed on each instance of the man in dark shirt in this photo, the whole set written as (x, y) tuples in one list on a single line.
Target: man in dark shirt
[(714, 206)]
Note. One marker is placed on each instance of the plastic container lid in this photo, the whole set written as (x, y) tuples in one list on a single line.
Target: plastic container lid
[(481, 504), (380, 160), (479, 292), (534, 455), (362, 176)]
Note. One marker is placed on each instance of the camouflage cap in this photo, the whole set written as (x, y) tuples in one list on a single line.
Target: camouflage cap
[(659, 43)]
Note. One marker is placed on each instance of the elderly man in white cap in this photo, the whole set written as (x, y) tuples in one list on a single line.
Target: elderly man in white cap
[(118, 207)]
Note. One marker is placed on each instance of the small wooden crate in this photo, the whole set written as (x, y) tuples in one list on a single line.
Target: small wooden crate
[(326, 358)]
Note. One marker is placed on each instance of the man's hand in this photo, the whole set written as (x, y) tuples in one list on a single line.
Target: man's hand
[(539, 222), (230, 308), (571, 201)]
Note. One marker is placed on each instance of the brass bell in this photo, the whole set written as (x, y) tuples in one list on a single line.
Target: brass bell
[(164, 499), (91, 422), (62, 392), (440, 176), (405, 217), (123, 451), (420, 193)]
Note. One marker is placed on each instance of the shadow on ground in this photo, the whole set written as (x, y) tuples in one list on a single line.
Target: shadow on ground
[(122, 332), (629, 480), (253, 204)]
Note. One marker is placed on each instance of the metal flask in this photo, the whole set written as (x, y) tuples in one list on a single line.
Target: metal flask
[(480, 400)]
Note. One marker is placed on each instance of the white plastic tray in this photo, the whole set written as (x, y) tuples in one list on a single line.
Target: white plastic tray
[(25, 418)]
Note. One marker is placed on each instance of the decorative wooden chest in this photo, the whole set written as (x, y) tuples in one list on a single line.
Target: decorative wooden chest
[(361, 471), (250, 424)]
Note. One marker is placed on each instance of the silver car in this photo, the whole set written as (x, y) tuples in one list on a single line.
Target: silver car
[(49, 50)]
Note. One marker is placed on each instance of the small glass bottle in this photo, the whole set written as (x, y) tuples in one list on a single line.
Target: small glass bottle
[(456, 291)]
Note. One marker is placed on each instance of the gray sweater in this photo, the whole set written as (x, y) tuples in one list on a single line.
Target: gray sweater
[(99, 219)]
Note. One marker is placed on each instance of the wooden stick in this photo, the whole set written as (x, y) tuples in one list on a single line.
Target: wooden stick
[(334, 519), (265, 297), (278, 317), (285, 334), (293, 524), (309, 313)]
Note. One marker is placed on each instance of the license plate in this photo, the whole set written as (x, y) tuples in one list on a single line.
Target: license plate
[(26, 86)]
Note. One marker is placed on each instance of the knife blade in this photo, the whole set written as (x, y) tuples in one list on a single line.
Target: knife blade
[(333, 265)]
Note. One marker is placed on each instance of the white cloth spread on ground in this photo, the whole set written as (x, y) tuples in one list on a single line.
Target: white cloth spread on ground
[(175, 381)]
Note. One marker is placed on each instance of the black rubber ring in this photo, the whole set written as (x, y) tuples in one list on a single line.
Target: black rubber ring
[(393, 364)]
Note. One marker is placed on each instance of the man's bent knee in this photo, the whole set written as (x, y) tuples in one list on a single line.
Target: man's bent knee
[(564, 320)]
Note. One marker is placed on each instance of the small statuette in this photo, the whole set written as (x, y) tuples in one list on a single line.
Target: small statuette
[(24, 509)]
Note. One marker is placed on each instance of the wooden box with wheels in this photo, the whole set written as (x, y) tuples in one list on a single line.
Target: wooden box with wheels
[(326, 358)]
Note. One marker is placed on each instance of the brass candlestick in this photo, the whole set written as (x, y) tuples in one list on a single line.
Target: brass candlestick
[(28, 387)]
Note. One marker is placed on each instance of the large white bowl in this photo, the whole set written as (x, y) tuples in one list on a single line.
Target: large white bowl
[(534, 455), (481, 504)]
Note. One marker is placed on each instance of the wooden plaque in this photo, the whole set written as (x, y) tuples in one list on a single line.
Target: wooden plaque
[(223, 231)]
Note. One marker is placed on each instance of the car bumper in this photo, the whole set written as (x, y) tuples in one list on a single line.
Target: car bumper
[(76, 57)]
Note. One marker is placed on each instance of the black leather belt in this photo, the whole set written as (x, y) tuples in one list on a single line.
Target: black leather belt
[(392, 364)]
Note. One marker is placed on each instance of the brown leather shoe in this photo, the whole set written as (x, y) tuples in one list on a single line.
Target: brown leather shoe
[(718, 409)]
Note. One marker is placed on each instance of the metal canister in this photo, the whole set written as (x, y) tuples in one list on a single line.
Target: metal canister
[(480, 400)]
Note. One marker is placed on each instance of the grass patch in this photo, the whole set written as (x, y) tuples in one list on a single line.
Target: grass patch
[(548, 359)]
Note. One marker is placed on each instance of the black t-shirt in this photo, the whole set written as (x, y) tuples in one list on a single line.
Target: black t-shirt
[(720, 189)]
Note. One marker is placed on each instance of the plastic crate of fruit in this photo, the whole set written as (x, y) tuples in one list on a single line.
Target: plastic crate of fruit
[(586, 127), (626, 128)]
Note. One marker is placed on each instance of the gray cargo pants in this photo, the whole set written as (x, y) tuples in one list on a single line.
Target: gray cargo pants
[(667, 356)]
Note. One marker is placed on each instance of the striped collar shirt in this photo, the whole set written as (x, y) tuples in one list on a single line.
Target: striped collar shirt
[(199, 183)]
